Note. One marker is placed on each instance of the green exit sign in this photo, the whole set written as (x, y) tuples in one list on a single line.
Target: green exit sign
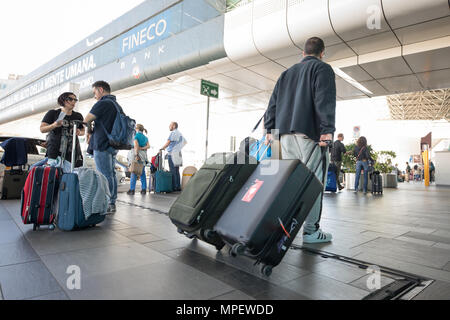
[(209, 89)]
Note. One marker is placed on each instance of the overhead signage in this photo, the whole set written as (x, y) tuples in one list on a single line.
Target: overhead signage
[(150, 32), (209, 89)]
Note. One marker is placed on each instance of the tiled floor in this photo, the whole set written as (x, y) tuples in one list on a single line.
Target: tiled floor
[(138, 254)]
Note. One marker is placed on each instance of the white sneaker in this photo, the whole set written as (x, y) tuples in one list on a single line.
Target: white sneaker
[(317, 237)]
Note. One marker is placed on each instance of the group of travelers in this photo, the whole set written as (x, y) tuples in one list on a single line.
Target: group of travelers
[(417, 173), (58, 124), (364, 161)]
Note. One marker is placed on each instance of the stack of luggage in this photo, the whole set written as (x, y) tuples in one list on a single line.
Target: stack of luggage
[(161, 180), (255, 208), (15, 158), (51, 197)]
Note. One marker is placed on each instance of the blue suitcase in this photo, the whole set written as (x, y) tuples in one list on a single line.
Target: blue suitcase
[(163, 182), (331, 182), (70, 205)]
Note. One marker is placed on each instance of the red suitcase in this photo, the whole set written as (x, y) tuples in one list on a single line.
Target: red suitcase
[(39, 196)]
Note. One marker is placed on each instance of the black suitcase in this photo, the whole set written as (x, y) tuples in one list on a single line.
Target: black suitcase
[(377, 183), (12, 183), (268, 212), (208, 193)]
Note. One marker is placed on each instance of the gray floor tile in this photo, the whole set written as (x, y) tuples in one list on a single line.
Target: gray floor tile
[(103, 260), (428, 237), (234, 295), (280, 293), (440, 245), (362, 283), (447, 267), (168, 245), (17, 252), (9, 232), (52, 296), (27, 280), (415, 240), (130, 232), (380, 260), (50, 242), (408, 252), (144, 238), (338, 271), (165, 280), (319, 287), (438, 290)]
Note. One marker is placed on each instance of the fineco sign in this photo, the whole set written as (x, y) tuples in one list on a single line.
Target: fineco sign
[(146, 34)]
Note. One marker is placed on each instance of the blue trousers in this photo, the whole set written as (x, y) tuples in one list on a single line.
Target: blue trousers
[(133, 180), (105, 163), (176, 181), (360, 165)]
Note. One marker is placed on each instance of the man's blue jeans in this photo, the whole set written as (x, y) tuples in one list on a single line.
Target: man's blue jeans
[(133, 180), (175, 174), (359, 166), (105, 163)]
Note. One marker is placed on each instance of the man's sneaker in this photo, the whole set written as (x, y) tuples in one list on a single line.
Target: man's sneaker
[(317, 237), (143, 191), (111, 208), (130, 192)]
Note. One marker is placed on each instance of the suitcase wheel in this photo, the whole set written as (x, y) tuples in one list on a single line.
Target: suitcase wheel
[(190, 235), (35, 227), (266, 270), (51, 227), (220, 247), (180, 231), (237, 249)]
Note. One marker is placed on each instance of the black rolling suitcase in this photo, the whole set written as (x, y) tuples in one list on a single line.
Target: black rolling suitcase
[(377, 183), (208, 193), (268, 212)]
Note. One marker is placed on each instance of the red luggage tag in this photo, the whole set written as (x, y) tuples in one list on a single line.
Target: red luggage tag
[(251, 193)]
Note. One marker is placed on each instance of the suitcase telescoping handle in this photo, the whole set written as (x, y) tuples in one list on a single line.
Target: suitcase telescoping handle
[(74, 143)]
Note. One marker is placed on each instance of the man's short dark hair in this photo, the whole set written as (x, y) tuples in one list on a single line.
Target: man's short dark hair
[(102, 84), (175, 124), (314, 46), (340, 135)]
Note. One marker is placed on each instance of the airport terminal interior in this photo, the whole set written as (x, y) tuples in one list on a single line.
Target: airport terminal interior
[(211, 66)]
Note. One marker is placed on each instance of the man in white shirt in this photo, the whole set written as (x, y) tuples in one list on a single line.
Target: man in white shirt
[(174, 144)]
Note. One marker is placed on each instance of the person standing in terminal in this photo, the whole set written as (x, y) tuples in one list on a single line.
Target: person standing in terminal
[(139, 153), (362, 162), (174, 144), (303, 109), (104, 114), (53, 124), (336, 157)]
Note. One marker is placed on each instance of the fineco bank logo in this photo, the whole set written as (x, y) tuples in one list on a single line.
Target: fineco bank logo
[(144, 35)]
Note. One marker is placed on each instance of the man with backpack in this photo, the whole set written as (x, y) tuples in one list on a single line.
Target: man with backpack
[(174, 144), (104, 114)]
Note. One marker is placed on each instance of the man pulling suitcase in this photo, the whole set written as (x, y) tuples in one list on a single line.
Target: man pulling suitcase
[(302, 108)]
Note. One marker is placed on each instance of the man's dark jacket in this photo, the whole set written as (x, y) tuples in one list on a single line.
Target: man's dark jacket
[(304, 100), (337, 151)]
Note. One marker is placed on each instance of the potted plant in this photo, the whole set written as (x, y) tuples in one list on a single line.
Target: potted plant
[(384, 166)]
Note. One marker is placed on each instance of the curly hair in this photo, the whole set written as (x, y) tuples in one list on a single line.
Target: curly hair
[(63, 98), (362, 142)]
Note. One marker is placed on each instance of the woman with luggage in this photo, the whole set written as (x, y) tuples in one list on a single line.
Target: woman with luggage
[(362, 162), (139, 153), (59, 125)]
